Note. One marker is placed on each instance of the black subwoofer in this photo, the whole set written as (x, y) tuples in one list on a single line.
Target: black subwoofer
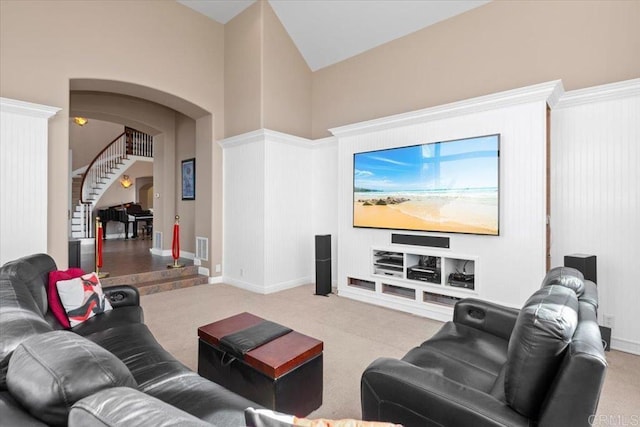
[(586, 264)]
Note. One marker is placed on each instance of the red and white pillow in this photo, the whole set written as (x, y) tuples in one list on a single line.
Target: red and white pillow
[(55, 305), (82, 298)]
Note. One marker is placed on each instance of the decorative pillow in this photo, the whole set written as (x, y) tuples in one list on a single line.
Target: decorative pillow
[(55, 305), (82, 298)]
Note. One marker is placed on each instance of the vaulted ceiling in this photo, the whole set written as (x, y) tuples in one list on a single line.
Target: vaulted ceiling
[(330, 31)]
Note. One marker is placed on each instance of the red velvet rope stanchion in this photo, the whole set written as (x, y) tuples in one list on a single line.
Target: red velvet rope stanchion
[(98, 240), (175, 245)]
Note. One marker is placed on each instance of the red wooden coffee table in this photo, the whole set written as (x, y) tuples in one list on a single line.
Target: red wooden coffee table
[(284, 374)]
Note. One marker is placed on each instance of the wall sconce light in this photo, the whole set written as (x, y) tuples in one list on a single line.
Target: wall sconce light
[(80, 121), (125, 181)]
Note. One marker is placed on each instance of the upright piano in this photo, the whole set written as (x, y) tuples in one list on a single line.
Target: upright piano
[(125, 213)]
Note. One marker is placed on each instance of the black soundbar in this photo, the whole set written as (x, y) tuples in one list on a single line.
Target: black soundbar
[(412, 239)]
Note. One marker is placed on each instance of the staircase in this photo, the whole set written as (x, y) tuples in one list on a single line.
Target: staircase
[(159, 281), (105, 170)]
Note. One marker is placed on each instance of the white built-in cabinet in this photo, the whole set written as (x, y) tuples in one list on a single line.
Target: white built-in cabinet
[(422, 280), (373, 269)]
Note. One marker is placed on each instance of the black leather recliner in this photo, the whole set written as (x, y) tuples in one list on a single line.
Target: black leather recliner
[(496, 366)]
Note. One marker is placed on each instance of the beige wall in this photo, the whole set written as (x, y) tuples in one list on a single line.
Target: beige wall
[(247, 75), (243, 72), (87, 141), (185, 149), (499, 46), (161, 45), (117, 194), (287, 81), (267, 81)]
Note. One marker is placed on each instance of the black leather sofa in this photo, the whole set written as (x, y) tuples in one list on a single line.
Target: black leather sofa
[(542, 365), (109, 370)]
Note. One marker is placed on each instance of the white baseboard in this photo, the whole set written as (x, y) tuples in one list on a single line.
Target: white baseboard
[(203, 271), (244, 285), (287, 285), (160, 252), (269, 289), (168, 252), (627, 346), (215, 280)]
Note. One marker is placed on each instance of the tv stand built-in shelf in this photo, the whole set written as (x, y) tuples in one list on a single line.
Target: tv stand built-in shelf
[(419, 281)]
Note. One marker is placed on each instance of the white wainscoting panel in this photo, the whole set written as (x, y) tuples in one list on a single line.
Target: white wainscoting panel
[(324, 204), (23, 178), (244, 213), (595, 205), (267, 211), (288, 223)]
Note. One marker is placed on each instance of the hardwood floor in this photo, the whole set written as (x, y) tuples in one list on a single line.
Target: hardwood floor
[(126, 256)]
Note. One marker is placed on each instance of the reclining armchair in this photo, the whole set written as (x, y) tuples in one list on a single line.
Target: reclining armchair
[(496, 366)]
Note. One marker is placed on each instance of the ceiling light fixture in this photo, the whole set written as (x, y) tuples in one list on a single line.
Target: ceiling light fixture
[(125, 181), (80, 121)]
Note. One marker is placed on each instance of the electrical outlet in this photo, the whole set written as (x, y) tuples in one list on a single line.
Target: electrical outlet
[(218, 268), (608, 320)]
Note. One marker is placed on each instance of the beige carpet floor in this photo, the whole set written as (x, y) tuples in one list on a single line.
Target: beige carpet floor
[(354, 334)]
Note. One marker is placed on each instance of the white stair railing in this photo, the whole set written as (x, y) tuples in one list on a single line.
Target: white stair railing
[(103, 166), (130, 143)]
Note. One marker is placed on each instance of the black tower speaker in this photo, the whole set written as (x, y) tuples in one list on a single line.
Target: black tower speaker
[(323, 264), (586, 264)]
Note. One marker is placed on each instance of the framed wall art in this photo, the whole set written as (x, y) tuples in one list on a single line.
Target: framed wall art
[(189, 179)]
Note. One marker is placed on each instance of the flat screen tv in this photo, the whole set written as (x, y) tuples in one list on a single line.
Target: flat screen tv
[(449, 186)]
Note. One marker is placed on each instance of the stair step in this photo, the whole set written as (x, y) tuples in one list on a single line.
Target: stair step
[(149, 276), (160, 284)]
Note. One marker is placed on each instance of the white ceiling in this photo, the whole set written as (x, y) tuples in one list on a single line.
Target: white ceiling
[(330, 31)]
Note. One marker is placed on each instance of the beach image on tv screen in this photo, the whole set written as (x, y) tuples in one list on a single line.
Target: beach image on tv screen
[(447, 186)]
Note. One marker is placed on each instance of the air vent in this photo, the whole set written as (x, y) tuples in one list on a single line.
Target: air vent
[(157, 240), (202, 248)]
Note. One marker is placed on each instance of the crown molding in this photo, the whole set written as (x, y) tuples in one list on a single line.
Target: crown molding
[(549, 92), (27, 108), (245, 138), (267, 135), (607, 92), (328, 142)]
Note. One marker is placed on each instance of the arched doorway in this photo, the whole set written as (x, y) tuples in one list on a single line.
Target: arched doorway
[(174, 123)]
